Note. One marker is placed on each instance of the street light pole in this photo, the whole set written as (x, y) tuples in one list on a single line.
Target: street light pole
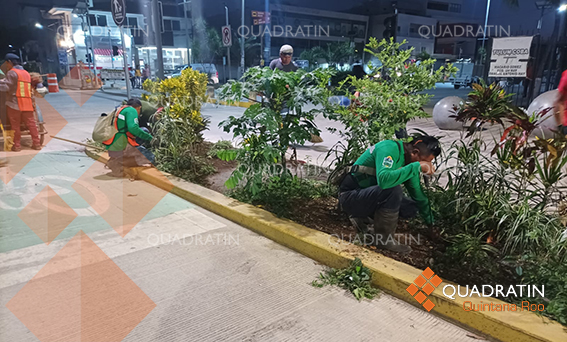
[(228, 47), (242, 40), (184, 3), (92, 47), (159, 46), (485, 23)]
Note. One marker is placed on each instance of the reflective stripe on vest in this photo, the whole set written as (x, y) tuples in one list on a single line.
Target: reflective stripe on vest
[(23, 91), (131, 137)]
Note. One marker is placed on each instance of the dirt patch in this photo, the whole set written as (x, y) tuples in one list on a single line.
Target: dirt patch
[(223, 171), (323, 214)]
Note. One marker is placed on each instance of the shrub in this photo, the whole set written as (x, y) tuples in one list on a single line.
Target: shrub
[(388, 100), (268, 128), (499, 209), (178, 128), (281, 195), (221, 145)]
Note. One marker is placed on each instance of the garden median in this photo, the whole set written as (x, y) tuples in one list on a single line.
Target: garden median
[(390, 275)]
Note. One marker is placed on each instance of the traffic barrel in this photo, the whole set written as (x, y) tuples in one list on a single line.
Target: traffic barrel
[(52, 84)]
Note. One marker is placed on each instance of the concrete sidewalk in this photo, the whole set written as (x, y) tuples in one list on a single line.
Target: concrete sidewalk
[(135, 263)]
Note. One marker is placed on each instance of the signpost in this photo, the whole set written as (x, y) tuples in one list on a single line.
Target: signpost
[(260, 18), (118, 8), (510, 57), (226, 36), (227, 41)]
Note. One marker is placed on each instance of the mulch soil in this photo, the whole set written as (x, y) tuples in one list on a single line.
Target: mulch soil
[(323, 215)]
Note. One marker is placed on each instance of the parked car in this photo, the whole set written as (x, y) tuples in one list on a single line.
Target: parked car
[(206, 68)]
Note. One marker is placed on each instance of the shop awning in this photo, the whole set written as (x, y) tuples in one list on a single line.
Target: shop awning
[(105, 52)]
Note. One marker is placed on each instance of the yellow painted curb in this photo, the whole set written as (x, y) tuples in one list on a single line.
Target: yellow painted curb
[(390, 275), (235, 104)]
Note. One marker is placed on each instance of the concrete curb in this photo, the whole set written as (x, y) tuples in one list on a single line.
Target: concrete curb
[(235, 104), (390, 275)]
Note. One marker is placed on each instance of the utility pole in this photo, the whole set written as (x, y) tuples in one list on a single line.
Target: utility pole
[(92, 46), (157, 29), (111, 49), (184, 3), (485, 23), (228, 47), (242, 40), (267, 39), (125, 59)]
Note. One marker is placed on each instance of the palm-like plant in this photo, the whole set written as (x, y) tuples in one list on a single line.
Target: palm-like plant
[(485, 104)]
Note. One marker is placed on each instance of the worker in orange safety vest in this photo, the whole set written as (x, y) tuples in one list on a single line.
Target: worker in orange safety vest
[(19, 104)]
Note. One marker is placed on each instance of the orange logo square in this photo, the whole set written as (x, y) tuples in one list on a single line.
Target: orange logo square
[(427, 282)]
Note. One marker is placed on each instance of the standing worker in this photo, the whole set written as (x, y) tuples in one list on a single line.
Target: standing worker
[(373, 189), (123, 149), (19, 104), (284, 63)]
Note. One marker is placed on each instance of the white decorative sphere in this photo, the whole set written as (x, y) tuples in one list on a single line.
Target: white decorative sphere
[(545, 100), (442, 112)]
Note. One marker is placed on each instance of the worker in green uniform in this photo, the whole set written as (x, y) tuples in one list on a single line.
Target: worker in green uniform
[(372, 188), (123, 149)]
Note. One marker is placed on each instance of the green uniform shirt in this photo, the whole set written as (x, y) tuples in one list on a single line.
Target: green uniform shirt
[(388, 158), (146, 112), (127, 121)]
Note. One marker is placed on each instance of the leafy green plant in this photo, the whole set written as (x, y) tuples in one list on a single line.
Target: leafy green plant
[(221, 145), (472, 250), (175, 147), (280, 195), (355, 278), (551, 272), (385, 102), (178, 128), (268, 128)]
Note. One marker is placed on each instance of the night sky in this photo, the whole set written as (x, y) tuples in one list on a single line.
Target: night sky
[(523, 18)]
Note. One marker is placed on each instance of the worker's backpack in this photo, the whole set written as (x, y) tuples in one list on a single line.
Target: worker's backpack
[(104, 128)]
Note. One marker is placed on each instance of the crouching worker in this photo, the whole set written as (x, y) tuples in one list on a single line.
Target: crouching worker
[(372, 188), (123, 149)]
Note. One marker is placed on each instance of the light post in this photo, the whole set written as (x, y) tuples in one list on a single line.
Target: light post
[(228, 47), (242, 40), (83, 10), (485, 23), (184, 3)]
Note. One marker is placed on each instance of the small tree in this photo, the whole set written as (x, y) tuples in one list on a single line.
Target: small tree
[(268, 128), (389, 98)]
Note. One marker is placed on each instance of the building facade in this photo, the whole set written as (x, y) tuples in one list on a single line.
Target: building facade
[(432, 26), (94, 39), (304, 28)]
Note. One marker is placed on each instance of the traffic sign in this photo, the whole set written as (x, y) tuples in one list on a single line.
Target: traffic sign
[(226, 36), (118, 9), (261, 17)]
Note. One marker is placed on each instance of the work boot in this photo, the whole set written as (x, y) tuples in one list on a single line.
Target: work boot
[(359, 224), (385, 224), (116, 168), (361, 228)]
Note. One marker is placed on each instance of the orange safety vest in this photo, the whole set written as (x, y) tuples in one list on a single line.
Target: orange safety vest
[(23, 91), (131, 137)]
